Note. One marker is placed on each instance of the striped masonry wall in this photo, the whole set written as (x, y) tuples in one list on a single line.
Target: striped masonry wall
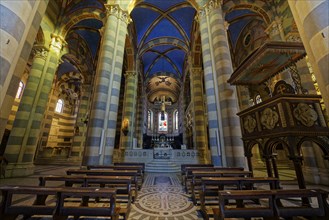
[(313, 17), (19, 34), (200, 133), (129, 111), (103, 118), (80, 138)]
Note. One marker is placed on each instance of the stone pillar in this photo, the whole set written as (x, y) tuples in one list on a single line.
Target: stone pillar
[(224, 125), (104, 110), (20, 23), (311, 18), (200, 138), (129, 111), (25, 134)]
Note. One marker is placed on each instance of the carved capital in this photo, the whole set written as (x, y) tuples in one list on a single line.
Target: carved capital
[(209, 7), (195, 71), (57, 43), (40, 52), (116, 11)]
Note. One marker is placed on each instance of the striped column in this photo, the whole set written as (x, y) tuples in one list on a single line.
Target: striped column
[(199, 126), (104, 110), (312, 21), (82, 122), (140, 115), (25, 134), (224, 125), (129, 111), (19, 25)]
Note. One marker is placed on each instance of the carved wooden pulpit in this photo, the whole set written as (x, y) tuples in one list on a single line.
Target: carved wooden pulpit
[(289, 116)]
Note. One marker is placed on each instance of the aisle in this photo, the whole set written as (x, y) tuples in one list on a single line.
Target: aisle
[(162, 198)]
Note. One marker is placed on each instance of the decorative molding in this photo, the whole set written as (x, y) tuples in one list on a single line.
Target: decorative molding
[(274, 28), (128, 74), (305, 114), (293, 37), (40, 52), (116, 11), (269, 118), (249, 123)]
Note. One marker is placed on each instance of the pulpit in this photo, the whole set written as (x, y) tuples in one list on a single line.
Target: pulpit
[(288, 116)]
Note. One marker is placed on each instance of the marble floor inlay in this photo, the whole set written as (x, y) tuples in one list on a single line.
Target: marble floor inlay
[(162, 198)]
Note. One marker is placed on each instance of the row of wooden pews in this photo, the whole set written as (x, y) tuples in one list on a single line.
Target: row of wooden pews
[(231, 192), (104, 191)]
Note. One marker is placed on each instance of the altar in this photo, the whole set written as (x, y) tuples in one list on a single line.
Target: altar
[(162, 153)]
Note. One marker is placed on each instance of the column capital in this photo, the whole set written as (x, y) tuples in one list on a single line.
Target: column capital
[(195, 71), (114, 9), (209, 6), (40, 52), (128, 74), (57, 43)]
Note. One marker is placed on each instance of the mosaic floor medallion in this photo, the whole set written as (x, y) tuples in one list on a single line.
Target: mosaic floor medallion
[(162, 198)]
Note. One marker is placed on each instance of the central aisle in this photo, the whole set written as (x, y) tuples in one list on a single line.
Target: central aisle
[(162, 198)]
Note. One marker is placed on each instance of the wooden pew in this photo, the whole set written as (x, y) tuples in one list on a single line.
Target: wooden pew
[(274, 207), (285, 210), (229, 210), (54, 207), (208, 194), (99, 172), (139, 168), (104, 196), (225, 171), (191, 166), (122, 184), (183, 168), (130, 164)]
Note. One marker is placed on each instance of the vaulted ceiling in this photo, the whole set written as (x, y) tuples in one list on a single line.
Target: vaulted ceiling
[(163, 30)]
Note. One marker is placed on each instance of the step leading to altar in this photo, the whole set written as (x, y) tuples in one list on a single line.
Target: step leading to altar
[(159, 159), (162, 166)]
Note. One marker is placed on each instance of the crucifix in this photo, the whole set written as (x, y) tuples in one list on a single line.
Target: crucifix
[(163, 104)]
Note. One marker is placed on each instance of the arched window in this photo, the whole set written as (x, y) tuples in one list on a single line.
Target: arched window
[(175, 117), (20, 90), (149, 120), (59, 106), (163, 121)]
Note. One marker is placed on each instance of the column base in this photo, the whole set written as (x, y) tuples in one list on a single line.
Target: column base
[(19, 169)]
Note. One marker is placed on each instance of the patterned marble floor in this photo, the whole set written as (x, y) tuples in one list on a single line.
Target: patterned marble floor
[(162, 198)]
